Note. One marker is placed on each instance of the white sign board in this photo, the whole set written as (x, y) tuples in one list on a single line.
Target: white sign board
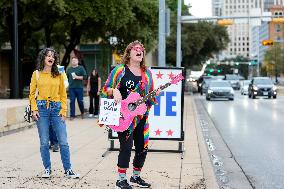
[(165, 118), (109, 112)]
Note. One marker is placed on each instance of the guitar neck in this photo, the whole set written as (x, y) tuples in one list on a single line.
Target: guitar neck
[(152, 94)]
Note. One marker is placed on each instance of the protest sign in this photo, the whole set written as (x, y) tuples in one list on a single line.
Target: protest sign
[(109, 112)]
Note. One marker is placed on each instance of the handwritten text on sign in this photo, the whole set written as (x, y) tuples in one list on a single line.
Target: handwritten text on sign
[(109, 112)]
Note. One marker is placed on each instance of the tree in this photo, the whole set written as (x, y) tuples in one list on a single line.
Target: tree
[(273, 60), (199, 40)]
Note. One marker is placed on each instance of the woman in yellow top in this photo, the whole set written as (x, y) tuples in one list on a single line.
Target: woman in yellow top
[(48, 103)]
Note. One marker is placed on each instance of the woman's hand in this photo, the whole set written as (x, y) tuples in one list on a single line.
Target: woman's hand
[(116, 95), (63, 118), (35, 115)]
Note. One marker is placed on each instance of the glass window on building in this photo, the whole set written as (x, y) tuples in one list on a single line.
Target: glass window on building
[(277, 28), (247, 49)]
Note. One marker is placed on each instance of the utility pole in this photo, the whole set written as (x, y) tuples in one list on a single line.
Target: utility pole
[(178, 53), (162, 34), (15, 67)]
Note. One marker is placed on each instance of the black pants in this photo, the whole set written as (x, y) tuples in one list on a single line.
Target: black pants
[(126, 145), (94, 99)]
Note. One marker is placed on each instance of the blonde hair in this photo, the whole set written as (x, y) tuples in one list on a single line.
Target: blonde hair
[(126, 55)]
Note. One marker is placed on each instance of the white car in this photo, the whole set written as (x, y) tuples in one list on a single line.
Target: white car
[(244, 86)]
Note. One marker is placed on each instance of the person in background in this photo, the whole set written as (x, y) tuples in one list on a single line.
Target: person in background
[(132, 76), (93, 88), (54, 146), (76, 74), (49, 109)]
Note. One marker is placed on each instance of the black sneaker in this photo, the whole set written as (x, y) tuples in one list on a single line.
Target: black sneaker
[(123, 184), (70, 174), (139, 182)]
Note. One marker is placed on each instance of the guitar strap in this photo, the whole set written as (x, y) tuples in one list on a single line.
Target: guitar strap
[(144, 82)]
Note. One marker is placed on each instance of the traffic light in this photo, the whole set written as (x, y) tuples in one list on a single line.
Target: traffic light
[(278, 20), (225, 22), (267, 42), (211, 70), (252, 62), (219, 70)]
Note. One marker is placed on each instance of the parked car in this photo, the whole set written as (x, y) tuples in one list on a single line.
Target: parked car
[(262, 86), (244, 86), (234, 80), (220, 89)]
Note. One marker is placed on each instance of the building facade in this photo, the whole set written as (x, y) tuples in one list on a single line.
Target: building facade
[(240, 32)]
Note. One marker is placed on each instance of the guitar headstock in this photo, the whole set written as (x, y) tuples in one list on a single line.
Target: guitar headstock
[(176, 79)]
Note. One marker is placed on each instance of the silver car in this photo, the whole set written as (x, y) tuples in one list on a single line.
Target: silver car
[(220, 89)]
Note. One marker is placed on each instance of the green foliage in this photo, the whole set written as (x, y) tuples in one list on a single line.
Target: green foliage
[(273, 60), (64, 24)]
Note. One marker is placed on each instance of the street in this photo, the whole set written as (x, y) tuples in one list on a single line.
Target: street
[(252, 135)]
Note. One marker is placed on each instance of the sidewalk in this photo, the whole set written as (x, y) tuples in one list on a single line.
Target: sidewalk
[(21, 166)]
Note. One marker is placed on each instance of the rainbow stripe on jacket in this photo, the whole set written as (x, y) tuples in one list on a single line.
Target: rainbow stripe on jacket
[(113, 81)]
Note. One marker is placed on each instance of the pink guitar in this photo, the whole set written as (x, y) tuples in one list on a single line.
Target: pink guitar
[(135, 105)]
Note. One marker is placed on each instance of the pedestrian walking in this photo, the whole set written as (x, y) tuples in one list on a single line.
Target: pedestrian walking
[(76, 74), (49, 109), (132, 76), (93, 88), (54, 146)]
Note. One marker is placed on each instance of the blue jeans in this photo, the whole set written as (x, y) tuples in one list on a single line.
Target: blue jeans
[(73, 94), (49, 117)]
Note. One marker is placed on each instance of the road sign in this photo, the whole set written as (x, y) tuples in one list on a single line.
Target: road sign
[(225, 22), (278, 20)]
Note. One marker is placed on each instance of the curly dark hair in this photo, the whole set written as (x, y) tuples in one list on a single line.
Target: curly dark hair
[(126, 56), (41, 57)]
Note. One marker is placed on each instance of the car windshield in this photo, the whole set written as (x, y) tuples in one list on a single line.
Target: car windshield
[(263, 81), (220, 84)]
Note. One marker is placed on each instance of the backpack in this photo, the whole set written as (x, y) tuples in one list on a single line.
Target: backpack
[(28, 108)]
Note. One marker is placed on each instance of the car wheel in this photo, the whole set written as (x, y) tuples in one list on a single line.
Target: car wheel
[(274, 96), (207, 98), (231, 99), (269, 96), (253, 96)]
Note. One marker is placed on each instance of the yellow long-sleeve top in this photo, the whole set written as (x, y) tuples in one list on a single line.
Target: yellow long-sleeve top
[(49, 88)]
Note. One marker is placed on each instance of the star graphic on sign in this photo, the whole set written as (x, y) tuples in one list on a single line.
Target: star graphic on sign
[(170, 132), (158, 132), (159, 75), (171, 75)]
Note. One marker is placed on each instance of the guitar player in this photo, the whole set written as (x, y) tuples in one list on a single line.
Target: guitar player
[(131, 75)]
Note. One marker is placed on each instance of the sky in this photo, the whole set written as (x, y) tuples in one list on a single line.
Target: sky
[(200, 8)]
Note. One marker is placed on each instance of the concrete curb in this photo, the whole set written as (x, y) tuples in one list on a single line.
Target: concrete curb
[(208, 170)]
